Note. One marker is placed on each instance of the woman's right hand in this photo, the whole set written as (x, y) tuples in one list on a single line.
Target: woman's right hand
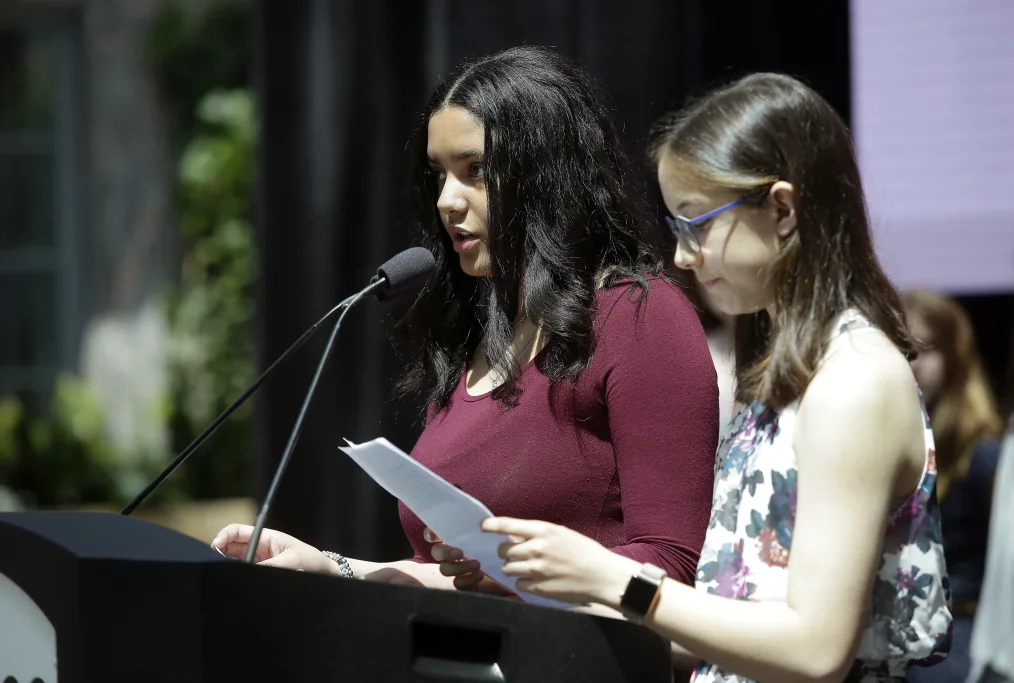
[(274, 549), (467, 574)]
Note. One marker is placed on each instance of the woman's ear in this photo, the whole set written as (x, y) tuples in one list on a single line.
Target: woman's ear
[(783, 200)]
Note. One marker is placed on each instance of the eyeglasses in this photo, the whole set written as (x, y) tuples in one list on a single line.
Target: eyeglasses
[(685, 229)]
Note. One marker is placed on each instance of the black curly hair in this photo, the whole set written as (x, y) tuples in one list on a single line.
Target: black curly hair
[(566, 216)]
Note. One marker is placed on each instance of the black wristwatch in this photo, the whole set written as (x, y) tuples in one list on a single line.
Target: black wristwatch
[(643, 591)]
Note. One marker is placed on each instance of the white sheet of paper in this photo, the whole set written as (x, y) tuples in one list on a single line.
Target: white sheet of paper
[(451, 513)]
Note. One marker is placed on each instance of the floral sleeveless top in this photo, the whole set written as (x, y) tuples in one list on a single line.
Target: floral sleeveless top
[(749, 539)]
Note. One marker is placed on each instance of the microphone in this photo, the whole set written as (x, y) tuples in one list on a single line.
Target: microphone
[(405, 272), (402, 274)]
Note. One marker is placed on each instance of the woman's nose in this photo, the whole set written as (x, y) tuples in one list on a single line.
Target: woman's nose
[(684, 257), (451, 201)]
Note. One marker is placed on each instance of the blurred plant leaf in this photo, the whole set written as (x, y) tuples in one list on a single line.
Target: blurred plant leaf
[(211, 311)]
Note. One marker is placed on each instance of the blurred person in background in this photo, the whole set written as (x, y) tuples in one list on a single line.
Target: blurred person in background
[(992, 649), (565, 377), (966, 429)]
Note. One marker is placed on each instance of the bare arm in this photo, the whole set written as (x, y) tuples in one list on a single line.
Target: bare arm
[(277, 549), (402, 571), (854, 435)]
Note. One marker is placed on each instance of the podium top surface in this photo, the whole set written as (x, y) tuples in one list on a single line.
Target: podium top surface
[(130, 600), (105, 535)]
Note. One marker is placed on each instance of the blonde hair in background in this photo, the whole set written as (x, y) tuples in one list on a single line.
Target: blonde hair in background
[(965, 411)]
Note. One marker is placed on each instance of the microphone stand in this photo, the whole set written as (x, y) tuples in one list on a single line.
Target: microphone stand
[(210, 429), (377, 283)]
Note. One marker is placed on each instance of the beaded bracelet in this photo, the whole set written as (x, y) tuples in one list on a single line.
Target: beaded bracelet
[(342, 563)]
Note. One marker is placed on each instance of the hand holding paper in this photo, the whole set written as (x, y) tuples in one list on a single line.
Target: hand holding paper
[(451, 513)]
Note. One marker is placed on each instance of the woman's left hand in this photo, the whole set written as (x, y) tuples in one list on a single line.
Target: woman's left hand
[(556, 562)]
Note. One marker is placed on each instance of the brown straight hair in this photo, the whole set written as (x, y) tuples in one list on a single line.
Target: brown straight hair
[(743, 137), (964, 412)]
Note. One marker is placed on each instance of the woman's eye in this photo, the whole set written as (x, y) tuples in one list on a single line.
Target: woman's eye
[(438, 175), (478, 170)]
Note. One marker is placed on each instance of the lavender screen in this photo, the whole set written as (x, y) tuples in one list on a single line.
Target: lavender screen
[(933, 120)]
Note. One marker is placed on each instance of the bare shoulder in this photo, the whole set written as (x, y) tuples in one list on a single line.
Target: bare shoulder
[(864, 364), (864, 397)]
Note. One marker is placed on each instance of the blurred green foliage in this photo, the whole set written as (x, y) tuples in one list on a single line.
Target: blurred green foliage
[(210, 313), (195, 52), (203, 60), (58, 454)]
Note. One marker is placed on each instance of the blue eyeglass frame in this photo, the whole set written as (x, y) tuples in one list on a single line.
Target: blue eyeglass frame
[(685, 229)]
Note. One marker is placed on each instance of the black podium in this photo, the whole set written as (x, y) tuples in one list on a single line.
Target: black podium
[(100, 597)]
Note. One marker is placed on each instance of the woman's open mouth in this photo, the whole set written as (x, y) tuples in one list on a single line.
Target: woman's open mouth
[(464, 241)]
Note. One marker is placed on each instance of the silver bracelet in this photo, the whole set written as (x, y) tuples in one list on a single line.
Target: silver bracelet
[(342, 563)]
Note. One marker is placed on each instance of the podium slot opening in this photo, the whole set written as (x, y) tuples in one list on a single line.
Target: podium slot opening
[(456, 652)]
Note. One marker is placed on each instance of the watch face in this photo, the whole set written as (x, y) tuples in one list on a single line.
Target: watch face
[(639, 594)]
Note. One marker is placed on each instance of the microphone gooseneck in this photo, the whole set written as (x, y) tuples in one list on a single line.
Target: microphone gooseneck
[(401, 275), (217, 422), (251, 550)]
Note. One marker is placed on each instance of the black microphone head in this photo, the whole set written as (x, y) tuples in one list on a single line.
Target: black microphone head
[(405, 272)]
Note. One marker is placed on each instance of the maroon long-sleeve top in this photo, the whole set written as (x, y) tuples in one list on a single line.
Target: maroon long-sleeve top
[(624, 456)]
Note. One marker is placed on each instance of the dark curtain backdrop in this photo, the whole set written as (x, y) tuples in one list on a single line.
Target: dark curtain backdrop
[(340, 86)]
